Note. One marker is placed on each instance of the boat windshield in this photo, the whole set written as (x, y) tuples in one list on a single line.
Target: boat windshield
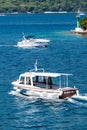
[(25, 80), (21, 80)]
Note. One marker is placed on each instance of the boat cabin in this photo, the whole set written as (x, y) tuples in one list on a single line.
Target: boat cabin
[(44, 80)]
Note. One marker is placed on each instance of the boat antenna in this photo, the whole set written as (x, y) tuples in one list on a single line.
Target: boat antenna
[(23, 35), (36, 66)]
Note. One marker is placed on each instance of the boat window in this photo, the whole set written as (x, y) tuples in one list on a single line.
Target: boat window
[(35, 79), (40, 79), (28, 80), (22, 80)]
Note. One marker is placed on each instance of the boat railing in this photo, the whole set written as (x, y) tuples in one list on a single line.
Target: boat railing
[(38, 70)]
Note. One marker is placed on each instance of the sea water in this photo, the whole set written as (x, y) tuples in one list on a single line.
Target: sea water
[(66, 53)]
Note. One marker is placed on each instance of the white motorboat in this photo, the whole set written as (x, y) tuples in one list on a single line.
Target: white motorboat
[(30, 41), (43, 84)]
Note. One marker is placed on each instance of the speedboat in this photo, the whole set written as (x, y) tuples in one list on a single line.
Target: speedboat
[(43, 84), (30, 41)]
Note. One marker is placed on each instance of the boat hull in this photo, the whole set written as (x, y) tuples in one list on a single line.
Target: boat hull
[(45, 93)]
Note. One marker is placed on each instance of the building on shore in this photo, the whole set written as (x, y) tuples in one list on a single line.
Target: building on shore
[(78, 28)]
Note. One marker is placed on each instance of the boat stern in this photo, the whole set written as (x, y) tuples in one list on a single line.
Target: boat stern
[(69, 92)]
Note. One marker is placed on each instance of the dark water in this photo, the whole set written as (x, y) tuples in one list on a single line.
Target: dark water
[(65, 53)]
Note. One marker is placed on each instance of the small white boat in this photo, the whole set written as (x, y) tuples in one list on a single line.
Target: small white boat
[(43, 84), (30, 41)]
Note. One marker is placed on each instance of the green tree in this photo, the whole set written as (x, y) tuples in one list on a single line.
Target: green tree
[(83, 23), (39, 6)]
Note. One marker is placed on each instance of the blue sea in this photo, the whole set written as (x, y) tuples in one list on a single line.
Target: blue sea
[(66, 53)]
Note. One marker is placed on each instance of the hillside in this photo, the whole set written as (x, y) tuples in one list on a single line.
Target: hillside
[(40, 6)]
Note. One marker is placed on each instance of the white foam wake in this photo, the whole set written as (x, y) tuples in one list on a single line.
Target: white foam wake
[(79, 100), (35, 96), (81, 97), (6, 45), (15, 93)]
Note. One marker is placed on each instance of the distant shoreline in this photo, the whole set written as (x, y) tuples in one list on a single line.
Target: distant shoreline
[(46, 12)]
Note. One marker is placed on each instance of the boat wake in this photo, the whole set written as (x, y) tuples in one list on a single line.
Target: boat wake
[(34, 96), (7, 45), (79, 100), (81, 97), (26, 47), (15, 93)]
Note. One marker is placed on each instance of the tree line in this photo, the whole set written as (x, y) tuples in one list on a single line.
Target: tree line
[(40, 6), (83, 23)]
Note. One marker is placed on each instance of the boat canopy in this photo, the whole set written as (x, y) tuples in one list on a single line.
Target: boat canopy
[(44, 74), (27, 74)]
